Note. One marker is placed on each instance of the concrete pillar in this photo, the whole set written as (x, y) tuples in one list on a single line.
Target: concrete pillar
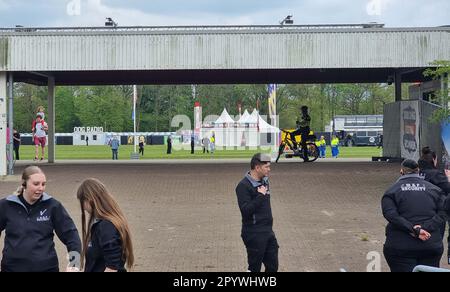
[(11, 124), (51, 120), (3, 123), (398, 86)]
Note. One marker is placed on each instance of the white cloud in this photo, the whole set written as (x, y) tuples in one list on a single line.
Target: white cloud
[(94, 13), (4, 5)]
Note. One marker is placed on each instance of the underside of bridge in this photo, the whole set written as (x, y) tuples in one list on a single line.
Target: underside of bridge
[(247, 76)]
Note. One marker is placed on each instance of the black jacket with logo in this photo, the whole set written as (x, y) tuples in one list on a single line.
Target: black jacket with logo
[(255, 207), (413, 201), (105, 248), (29, 245)]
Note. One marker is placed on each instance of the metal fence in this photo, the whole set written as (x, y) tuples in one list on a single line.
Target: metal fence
[(428, 269)]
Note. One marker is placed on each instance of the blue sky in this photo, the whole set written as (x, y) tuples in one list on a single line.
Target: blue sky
[(394, 13)]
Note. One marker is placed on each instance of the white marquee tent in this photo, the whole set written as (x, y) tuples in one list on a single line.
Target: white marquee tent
[(224, 119), (249, 130)]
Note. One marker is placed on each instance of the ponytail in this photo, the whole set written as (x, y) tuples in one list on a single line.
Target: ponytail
[(20, 190)]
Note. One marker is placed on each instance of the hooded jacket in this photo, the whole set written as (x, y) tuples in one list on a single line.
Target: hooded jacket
[(29, 245)]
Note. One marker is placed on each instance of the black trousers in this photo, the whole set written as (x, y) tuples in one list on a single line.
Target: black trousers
[(304, 132), (16, 150), (262, 248), (405, 261)]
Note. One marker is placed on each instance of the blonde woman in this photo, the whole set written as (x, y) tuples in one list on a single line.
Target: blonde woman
[(30, 218), (107, 245)]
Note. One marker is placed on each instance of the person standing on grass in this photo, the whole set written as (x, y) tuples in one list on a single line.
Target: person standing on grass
[(141, 145), (17, 142), (192, 143), (40, 137), (335, 146), (115, 148), (169, 145), (212, 143)]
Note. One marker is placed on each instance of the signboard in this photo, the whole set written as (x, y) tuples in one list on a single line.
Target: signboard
[(82, 130), (89, 136), (409, 130)]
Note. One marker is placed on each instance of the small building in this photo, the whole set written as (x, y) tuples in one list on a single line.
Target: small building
[(95, 136)]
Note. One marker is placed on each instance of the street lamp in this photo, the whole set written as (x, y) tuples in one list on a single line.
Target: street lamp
[(287, 20)]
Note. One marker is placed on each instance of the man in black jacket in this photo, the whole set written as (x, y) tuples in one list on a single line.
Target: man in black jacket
[(415, 212), (303, 129), (253, 194)]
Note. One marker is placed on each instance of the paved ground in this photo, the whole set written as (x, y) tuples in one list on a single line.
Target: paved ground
[(184, 217), (184, 161)]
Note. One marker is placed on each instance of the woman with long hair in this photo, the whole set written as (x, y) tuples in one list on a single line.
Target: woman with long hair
[(106, 237)]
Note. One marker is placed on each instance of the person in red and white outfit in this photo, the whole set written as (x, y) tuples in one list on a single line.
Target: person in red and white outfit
[(40, 137)]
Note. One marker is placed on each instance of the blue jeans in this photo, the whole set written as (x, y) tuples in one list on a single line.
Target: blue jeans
[(334, 151), (323, 150)]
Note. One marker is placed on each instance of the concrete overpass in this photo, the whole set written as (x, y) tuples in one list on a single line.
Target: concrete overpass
[(213, 54)]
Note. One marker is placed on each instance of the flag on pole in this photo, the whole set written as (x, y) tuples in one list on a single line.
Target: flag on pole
[(272, 89), (272, 93), (133, 113)]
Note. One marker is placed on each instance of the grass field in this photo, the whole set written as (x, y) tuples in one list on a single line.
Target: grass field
[(159, 152)]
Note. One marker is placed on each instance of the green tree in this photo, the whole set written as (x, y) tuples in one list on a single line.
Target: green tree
[(441, 70), (65, 115), (27, 98), (103, 106)]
